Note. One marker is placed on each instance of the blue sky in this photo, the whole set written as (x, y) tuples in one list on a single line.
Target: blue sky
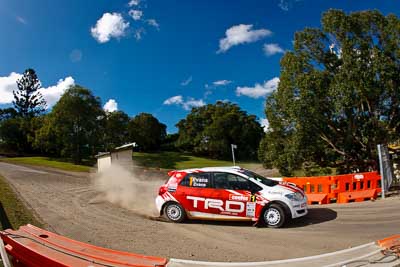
[(160, 57)]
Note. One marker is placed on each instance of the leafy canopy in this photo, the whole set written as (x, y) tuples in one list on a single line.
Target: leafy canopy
[(338, 95), (147, 132), (210, 130)]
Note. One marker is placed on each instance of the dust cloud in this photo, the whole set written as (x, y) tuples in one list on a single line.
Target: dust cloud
[(134, 189)]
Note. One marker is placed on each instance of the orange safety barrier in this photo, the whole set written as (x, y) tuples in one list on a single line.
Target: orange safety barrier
[(33, 247), (390, 244), (340, 188), (357, 187), (317, 189)]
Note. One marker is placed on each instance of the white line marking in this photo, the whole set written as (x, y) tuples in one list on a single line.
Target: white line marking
[(207, 263)]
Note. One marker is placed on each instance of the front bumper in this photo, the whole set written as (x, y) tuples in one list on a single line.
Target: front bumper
[(159, 203), (299, 209)]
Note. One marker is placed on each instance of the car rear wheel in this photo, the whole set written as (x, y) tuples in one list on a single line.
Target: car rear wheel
[(274, 216), (174, 212)]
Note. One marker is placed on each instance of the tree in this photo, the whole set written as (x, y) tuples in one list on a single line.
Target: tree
[(210, 130), (338, 95), (116, 129), (146, 131), (28, 101), (76, 123), (12, 136), (46, 140), (17, 133), (7, 113)]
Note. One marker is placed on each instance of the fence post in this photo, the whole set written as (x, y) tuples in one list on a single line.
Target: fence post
[(381, 170)]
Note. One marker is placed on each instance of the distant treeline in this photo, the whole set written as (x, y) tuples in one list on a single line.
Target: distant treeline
[(337, 99), (78, 128)]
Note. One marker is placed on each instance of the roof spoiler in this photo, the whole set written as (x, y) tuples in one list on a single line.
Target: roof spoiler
[(171, 173)]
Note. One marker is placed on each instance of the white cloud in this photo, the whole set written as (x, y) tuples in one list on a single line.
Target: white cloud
[(135, 14), (272, 49), (139, 32), (110, 25), (187, 105), (111, 105), (7, 86), (134, 3), (193, 103), (21, 20), (265, 124), (187, 81), (175, 100), (154, 23), (221, 82), (259, 90), (53, 93), (240, 34), (285, 5)]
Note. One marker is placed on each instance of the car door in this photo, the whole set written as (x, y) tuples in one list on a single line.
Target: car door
[(193, 191), (236, 194)]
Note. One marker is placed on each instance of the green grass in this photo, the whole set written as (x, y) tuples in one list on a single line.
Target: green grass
[(16, 212), (177, 160), (48, 162)]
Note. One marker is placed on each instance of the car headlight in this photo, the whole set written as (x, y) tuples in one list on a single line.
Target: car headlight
[(295, 196)]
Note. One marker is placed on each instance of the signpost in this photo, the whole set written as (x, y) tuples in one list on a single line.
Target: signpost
[(233, 147), (385, 166)]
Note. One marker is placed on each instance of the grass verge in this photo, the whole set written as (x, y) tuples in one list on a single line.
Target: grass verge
[(177, 160), (13, 212), (48, 162)]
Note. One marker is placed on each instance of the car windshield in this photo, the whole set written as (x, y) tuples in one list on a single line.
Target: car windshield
[(259, 178)]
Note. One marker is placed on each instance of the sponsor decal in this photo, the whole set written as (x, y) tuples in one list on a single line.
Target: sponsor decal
[(239, 197), (250, 209), (198, 182), (210, 203), (172, 187), (274, 193), (359, 176)]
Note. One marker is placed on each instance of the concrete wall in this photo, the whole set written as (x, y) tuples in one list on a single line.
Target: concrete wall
[(122, 158), (103, 163)]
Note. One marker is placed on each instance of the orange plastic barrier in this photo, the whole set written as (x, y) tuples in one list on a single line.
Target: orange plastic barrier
[(391, 243), (358, 187), (317, 189), (33, 247), (340, 188)]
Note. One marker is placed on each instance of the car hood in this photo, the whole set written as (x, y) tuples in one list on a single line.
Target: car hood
[(282, 188)]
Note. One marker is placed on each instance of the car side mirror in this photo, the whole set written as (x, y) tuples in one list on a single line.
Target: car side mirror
[(253, 191)]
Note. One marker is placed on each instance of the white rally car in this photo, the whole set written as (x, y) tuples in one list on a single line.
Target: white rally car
[(229, 193)]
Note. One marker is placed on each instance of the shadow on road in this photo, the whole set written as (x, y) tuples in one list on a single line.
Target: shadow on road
[(5, 223), (314, 216)]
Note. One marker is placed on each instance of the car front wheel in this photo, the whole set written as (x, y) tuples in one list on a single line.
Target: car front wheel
[(174, 212), (274, 216)]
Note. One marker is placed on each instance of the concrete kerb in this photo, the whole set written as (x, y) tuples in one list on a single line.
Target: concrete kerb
[(365, 253)]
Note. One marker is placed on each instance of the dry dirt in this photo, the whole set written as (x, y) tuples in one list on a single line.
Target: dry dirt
[(70, 206)]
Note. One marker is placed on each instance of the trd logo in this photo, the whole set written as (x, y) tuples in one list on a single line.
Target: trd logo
[(231, 206)]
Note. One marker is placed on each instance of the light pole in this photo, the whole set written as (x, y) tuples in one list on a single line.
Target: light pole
[(233, 147)]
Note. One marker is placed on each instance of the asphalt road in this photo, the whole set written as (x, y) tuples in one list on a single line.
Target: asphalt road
[(70, 206)]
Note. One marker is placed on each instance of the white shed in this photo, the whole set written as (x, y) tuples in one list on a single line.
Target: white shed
[(120, 155)]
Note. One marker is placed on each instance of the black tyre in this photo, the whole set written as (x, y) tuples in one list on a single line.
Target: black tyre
[(174, 212), (274, 216)]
